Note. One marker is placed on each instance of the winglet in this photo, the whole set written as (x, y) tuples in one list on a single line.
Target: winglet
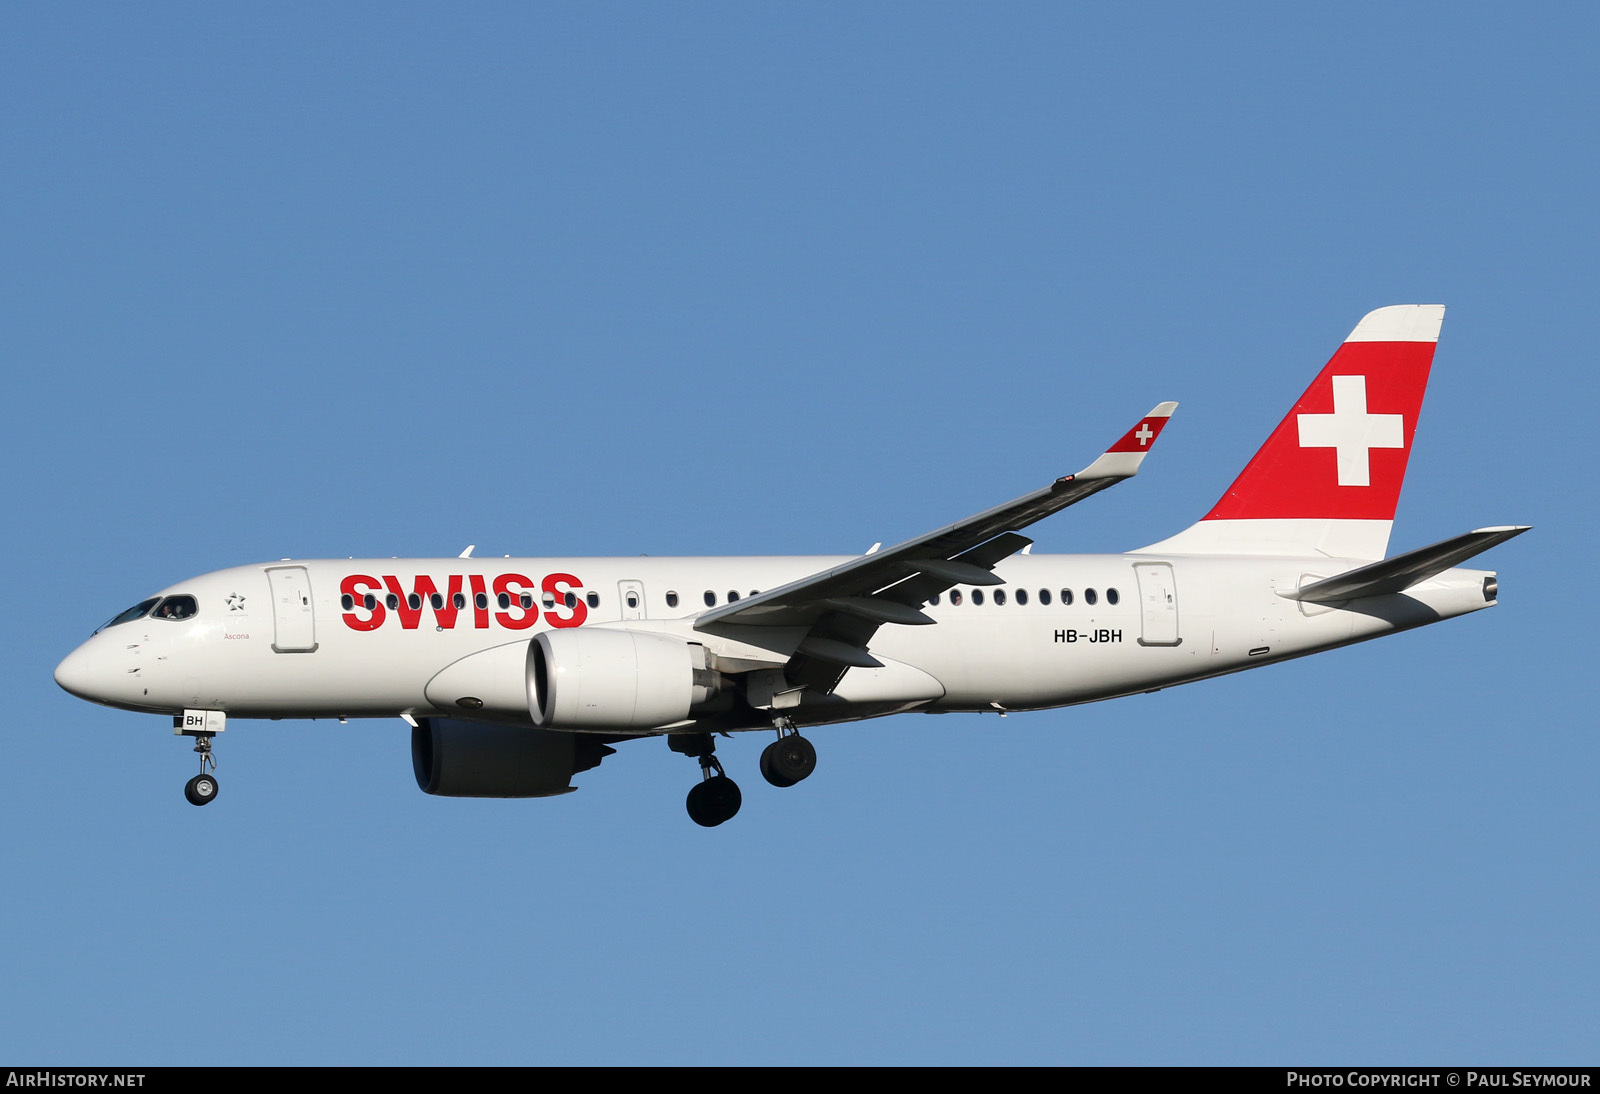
[(1122, 459)]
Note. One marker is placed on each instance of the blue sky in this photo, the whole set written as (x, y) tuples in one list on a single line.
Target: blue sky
[(738, 279)]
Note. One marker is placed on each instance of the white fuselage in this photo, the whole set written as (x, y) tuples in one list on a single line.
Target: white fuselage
[(296, 639)]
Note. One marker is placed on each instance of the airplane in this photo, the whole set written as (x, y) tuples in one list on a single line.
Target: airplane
[(517, 674)]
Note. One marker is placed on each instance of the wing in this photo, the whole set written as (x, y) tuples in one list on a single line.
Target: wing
[(843, 607)]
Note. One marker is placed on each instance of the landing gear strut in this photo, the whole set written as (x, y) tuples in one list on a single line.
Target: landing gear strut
[(788, 759), (202, 789), (715, 798)]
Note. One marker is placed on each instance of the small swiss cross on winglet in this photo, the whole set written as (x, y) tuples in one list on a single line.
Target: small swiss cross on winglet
[(1143, 435), (1123, 458)]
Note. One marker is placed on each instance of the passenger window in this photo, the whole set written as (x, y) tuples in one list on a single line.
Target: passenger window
[(369, 602), (347, 602), (672, 600), (571, 599), (481, 601), (733, 594), (1044, 596), (1090, 596), (1111, 596), (459, 600), (999, 596), (393, 601), (594, 600), (436, 600), (955, 597), (175, 607), (934, 599), (711, 599), (1022, 596), (977, 596), (414, 602), (504, 600), (1066, 598)]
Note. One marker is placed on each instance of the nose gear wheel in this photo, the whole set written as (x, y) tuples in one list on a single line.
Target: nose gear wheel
[(201, 789)]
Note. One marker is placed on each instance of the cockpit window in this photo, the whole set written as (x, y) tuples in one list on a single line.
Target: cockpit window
[(128, 616), (175, 607)]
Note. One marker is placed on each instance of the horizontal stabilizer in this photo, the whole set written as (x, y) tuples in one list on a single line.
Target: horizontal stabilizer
[(1397, 574)]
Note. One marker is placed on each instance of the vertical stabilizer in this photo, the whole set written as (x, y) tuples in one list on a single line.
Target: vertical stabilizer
[(1328, 479)]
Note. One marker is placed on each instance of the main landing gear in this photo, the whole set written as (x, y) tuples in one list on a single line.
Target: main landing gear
[(788, 759), (202, 789), (715, 798)]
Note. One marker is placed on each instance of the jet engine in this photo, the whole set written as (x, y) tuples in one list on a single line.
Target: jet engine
[(597, 679), (459, 759)]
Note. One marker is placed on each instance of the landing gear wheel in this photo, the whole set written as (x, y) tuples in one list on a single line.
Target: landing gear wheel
[(201, 790), (713, 801), (766, 767), (788, 760)]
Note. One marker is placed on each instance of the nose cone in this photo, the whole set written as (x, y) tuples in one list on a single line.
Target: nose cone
[(76, 674)]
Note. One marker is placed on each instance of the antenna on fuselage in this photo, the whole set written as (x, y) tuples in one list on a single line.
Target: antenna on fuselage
[(468, 552)]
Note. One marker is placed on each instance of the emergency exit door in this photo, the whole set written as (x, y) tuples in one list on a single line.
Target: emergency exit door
[(632, 596)]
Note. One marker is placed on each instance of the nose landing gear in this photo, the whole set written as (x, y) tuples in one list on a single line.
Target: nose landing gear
[(715, 798), (202, 789), (202, 725)]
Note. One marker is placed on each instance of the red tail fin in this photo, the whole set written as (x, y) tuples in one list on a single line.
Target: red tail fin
[(1328, 479)]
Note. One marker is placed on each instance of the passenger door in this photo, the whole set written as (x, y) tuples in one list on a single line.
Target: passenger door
[(296, 629)]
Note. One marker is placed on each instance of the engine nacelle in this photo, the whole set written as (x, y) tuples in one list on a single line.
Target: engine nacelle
[(458, 759), (594, 678)]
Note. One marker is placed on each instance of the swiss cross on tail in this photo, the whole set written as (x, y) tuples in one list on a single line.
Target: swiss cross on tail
[(1351, 431), (1341, 452)]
